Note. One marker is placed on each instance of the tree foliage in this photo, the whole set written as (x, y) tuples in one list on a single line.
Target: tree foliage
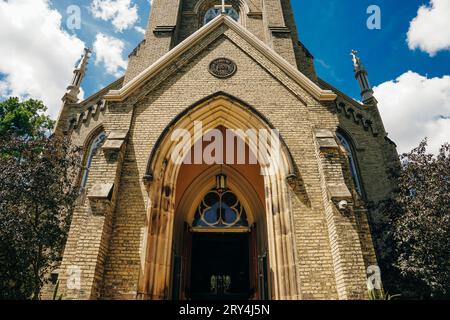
[(25, 118), (37, 193), (417, 226)]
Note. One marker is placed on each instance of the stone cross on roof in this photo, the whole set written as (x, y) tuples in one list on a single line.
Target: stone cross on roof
[(223, 6)]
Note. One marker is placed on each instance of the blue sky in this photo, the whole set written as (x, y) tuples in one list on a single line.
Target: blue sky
[(408, 59), (329, 28), (332, 28), (96, 78)]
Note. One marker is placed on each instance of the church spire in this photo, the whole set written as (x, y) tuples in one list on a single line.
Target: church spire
[(362, 76), (78, 74)]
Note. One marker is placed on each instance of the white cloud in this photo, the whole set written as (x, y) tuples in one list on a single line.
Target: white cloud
[(122, 13), (430, 30), (37, 56), (139, 29), (109, 52), (414, 107)]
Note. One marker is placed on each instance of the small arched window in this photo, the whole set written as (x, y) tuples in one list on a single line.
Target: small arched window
[(216, 11), (352, 160), (220, 210), (95, 146)]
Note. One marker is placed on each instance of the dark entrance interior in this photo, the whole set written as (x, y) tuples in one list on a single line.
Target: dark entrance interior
[(220, 266)]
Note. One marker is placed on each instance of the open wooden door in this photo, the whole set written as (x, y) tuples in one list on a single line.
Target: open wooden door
[(253, 246), (186, 263), (263, 278)]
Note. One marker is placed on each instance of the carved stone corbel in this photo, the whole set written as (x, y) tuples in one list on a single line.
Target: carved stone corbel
[(147, 179), (326, 140), (341, 197), (293, 182), (100, 197), (113, 145)]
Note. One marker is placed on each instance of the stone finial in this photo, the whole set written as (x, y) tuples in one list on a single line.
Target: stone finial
[(355, 58), (362, 76), (73, 90)]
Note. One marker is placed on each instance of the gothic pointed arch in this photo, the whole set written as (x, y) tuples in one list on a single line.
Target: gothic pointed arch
[(93, 143), (349, 145), (243, 106), (275, 167)]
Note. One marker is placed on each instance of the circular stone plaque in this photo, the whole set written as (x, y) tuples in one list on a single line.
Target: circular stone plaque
[(222, 68)]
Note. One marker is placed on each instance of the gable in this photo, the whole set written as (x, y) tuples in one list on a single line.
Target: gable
[(241, 37), (193, 81), (156, 106)]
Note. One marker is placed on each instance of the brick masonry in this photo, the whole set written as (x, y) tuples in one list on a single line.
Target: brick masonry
[(332, 248)]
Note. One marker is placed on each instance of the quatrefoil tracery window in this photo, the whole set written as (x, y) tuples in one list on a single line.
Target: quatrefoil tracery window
[(220, 210)]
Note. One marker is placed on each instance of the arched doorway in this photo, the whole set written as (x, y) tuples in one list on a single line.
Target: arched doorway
[(220, 240), (168, 218)]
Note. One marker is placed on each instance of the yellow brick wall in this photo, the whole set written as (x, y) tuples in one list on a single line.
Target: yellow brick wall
[(332, 250)]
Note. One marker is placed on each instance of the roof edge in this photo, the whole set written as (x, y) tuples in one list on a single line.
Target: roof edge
[(302, 80)]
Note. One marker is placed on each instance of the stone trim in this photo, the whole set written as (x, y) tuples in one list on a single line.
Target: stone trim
[(325, 138), (279, 30), (148, 177), (101, 191), (155, 277), (348, 261), (339, 192), (269, 53), (91, 111), (164, 30), (358, 117)]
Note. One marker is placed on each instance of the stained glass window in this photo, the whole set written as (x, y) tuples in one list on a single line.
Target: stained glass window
[(220, 210)]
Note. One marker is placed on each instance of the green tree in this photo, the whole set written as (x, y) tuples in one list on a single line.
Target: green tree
[(38, 172), (416, 230), (25, 118)]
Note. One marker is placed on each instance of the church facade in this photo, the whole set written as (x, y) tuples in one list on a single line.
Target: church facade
[(220, 166)]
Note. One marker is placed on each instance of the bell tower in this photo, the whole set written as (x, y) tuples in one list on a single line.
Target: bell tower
[(173, 21)]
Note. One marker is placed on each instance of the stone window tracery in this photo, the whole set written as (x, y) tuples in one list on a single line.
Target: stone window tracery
[(220, 210)]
